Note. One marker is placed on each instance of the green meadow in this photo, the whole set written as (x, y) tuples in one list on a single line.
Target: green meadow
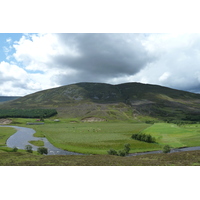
[(5, 133), (93, 138), (99, 137), (175, 136)]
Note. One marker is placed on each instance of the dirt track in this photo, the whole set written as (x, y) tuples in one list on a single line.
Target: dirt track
[(5, 121)]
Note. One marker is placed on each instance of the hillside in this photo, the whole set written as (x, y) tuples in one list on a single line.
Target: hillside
[(123, 101)]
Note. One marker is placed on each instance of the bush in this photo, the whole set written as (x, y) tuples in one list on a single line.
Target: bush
[(112, 152), (15, 149), (127, 148), (28, 148), (166, 149), (143, 137), (121, 153), (42, 150)]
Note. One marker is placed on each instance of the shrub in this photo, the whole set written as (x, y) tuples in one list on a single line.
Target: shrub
[(121, 153), (127, 148), (28, 148), (15, 149), (112, 152), (42, 150), (166, 149), (143, 137)]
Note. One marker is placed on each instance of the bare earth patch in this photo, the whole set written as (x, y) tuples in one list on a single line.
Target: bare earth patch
[(93, 119), (5, 121)]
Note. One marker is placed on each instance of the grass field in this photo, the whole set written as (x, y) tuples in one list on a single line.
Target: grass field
[(5, 133), (94, 138), (98, 138), (175, 136)]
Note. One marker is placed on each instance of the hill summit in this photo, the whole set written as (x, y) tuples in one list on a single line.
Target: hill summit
[(122, 101)]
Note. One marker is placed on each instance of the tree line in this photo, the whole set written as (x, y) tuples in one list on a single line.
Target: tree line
[(143, 137), (27, 113)]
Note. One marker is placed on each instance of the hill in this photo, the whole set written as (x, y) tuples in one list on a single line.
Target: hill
[(122, 101), (8, 98)]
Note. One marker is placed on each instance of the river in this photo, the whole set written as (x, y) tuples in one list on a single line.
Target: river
[(23, 135)]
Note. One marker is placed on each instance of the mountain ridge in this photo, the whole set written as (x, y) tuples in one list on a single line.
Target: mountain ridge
[(121, 101)]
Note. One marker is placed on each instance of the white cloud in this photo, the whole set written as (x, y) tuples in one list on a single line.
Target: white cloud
[(164, 76), (177, 63), (9, 40), (49, 60)]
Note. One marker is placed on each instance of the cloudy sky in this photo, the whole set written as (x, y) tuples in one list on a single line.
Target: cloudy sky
[(33, 62)]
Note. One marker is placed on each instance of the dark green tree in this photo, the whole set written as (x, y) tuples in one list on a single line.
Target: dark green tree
[(29, 148), (15, 149), (42, 150), (166, 149), (112, 152), (127, 148)]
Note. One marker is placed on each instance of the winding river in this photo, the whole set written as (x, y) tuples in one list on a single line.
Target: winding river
[(23, 135)]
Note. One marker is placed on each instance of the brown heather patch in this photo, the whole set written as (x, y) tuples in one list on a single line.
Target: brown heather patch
[(27, 159)]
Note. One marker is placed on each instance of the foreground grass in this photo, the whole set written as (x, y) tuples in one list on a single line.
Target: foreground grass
[(27, 159)]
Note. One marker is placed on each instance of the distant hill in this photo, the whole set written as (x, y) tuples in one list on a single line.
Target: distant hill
[(123, 101), (8, 98)]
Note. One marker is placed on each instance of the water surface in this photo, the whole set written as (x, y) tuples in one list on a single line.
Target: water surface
[(23, 135)]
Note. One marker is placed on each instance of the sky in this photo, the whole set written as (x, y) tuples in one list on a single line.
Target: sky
[(31, 62)]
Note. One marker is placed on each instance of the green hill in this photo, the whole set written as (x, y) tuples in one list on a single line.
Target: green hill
[(123, 101)]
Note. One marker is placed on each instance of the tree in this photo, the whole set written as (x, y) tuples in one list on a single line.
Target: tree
[(42, 150), (121, 153), (127, 148), (166, 149), (112, 152), (15, 149), (29, 148)]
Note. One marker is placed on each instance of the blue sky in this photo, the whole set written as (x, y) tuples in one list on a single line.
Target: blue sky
[(4, 42)]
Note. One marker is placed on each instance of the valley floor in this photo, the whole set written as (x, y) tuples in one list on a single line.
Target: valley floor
[(98, 138)]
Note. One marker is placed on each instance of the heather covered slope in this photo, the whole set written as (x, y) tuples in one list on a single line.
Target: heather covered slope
[(123, 101)]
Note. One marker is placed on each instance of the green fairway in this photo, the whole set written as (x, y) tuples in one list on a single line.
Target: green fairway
[(175, 136), (5, 133)]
